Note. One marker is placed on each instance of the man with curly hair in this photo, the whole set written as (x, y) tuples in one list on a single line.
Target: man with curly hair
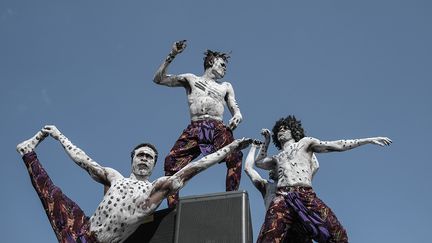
[(296, 214), (206, 99)]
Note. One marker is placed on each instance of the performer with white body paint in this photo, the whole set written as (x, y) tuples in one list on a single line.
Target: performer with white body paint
[(267, 188), (128, 200), (296, 214), (206, 97)]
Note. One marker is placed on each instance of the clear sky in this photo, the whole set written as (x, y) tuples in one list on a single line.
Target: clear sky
[(347, 69)]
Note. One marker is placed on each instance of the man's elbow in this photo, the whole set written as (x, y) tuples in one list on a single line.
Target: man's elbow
[(157, 79)]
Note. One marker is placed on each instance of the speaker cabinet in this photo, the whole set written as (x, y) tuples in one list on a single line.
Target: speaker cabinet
[(211, 218), (157, 228), (214, 218)]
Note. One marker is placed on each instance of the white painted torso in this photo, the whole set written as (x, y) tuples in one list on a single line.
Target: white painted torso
[(206, 98), (295, 166), (121, 210)]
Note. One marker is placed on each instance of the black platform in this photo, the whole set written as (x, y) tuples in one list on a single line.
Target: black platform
[(219, 217)]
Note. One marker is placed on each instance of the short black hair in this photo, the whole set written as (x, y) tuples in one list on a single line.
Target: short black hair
[(210, 56), (145, 145), (294, 125)]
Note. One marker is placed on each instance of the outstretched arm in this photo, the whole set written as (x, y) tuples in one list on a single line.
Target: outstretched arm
[(175, 182), (161, 76), (256, 179), (100, 174), (318, 146), (233, 108)]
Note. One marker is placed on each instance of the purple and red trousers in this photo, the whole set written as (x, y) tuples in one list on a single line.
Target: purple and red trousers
[(297, 215), (68, 221), (203, 137)]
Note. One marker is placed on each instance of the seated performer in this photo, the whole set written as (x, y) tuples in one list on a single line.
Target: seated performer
[(206, 98), (127, 201), (296, 214)]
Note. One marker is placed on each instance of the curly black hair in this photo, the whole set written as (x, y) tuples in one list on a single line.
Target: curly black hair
[(294, 125), (211, 55), (149, 145)]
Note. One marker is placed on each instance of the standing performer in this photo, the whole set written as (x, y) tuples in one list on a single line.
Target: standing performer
[(267, 188), (296, 214), (126, 203), (206, 98)]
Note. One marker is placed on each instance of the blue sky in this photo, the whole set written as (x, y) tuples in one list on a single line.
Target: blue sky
[(347, 69)]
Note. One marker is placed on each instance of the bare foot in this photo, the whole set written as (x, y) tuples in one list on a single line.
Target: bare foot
[(29, 145)]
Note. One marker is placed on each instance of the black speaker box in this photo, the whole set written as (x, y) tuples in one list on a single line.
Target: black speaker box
[(158, 228), (211, 218), (214, 218)]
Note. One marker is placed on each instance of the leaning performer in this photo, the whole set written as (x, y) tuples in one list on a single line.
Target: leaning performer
[(296, 214), (127, 201), (206, 133)]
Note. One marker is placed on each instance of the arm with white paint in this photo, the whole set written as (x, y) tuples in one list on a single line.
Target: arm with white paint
[(256, 179), (161, 77), (104, 175), (317, 146), (233, 107), (263, 161)]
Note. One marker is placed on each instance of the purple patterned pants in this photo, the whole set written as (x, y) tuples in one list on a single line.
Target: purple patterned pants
[(203, 137), (297, 215), (67, 219)]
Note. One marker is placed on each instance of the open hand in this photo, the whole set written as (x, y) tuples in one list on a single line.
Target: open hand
[(381, 141), (242, 143)]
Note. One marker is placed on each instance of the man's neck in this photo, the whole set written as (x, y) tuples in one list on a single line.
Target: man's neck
[(208, 75), (138, 177), (287, 144)]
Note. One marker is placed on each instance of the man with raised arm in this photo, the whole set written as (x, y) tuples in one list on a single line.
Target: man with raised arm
[(206, 133), (128, 199), (296, 214)]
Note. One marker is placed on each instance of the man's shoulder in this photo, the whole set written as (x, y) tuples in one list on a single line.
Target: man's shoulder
[(189, 76)]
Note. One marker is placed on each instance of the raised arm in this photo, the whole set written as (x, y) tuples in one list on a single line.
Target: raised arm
[(318, 146), (161, 77), (175, 182), (263, 161), (256, 179), (233, 107), (262, 154), (104, 175)]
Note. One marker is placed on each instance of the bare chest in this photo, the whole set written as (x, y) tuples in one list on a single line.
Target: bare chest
[(120, 209), (207, 89)]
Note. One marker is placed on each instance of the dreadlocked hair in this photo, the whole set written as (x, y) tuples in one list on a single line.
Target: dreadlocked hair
[(210, 56)]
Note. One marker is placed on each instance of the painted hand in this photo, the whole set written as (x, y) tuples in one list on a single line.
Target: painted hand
[(256, 143), (52, 130), (178, 47), (242, 143), (266, 133), (381, 141)]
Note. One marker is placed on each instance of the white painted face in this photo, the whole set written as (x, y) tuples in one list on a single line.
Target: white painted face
[(219, 67), (284, 134), (143, 161)]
